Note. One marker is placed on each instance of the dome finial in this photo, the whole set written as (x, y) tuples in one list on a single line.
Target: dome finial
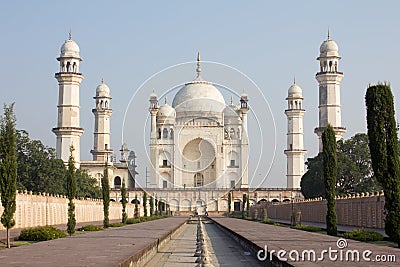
[(329, 34), (294, 79), (70, 34), (102, 79), (165, 99), (198, 70), (231, 99)]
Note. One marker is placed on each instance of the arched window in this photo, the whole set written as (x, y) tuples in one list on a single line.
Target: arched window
[(68, 66), (165, 133), (106, 104), (117, 182), (74, 67), (159, 133), (101, 104), (171, 133)]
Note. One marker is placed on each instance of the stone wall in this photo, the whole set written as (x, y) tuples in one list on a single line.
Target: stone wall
[(361, 210), (43, 209)]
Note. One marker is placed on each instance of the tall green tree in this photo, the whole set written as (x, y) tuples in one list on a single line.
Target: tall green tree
[(151, 206), (105, 188), (8, 168), (123, 201), (71, 192), (330, 174), (355, 173), (229, 202), (383, 144), (136, 210), (312, 182), (244, 206), (145, 203)]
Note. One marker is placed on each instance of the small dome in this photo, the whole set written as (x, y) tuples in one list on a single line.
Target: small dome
[(102, 90), (231, 111), (166, 110), (70, 49), (295, 90), (329, 48)]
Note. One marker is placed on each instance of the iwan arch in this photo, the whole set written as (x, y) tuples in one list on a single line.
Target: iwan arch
[(198, 144)]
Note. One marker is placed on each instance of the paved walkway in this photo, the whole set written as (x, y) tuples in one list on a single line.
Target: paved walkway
[(223, 250), (283, 238), (341, 228), (103, 248)]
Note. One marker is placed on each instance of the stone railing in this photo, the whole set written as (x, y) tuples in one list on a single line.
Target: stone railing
[(45, 209), (361, 210)]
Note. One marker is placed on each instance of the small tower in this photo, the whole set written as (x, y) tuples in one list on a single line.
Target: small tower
[(244, 109), (101, 149), (153, 109), (295, 146), (68, 130), (329, 78)]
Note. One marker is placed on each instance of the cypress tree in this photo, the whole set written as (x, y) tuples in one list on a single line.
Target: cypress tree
[(244, 206), (383, 145), (145, 203), (229, 202), (105, 189), (330, 175), (151, 206), (8, 168), (136, 211), (71, 192), (156, 206), (123, 201)]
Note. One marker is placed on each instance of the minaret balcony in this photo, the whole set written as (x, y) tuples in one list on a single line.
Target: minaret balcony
[(68, 73)]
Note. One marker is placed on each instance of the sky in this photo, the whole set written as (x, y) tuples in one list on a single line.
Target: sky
[(127, 42)]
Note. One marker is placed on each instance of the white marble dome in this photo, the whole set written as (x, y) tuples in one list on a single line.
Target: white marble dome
[(70, 49), (295, 90), (329, 47), (102, 90), (166, 110), (231, 111), (199, 96)]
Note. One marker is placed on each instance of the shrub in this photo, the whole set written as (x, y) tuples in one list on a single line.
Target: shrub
[(116, 224), (363, 235), (90, 228), (41, 233), (132, 221), (307, 228)]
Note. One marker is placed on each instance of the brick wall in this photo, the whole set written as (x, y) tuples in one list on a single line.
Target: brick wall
[(361, 210), (44, 209)]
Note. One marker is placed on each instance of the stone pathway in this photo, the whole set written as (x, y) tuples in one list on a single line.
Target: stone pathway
[(223, 250), (103, 248), (283, 238)]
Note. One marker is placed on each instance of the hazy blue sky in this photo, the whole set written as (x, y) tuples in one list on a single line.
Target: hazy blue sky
[(127, 42)]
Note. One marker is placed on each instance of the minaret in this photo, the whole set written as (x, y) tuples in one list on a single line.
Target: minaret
[(244, 109), (295, 146), (68, 130), (329, 79), (153, 109), (102, 113)]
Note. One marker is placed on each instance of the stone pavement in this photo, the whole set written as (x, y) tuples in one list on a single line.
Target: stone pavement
[(110, 247), (278, 238), (223, 250)]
